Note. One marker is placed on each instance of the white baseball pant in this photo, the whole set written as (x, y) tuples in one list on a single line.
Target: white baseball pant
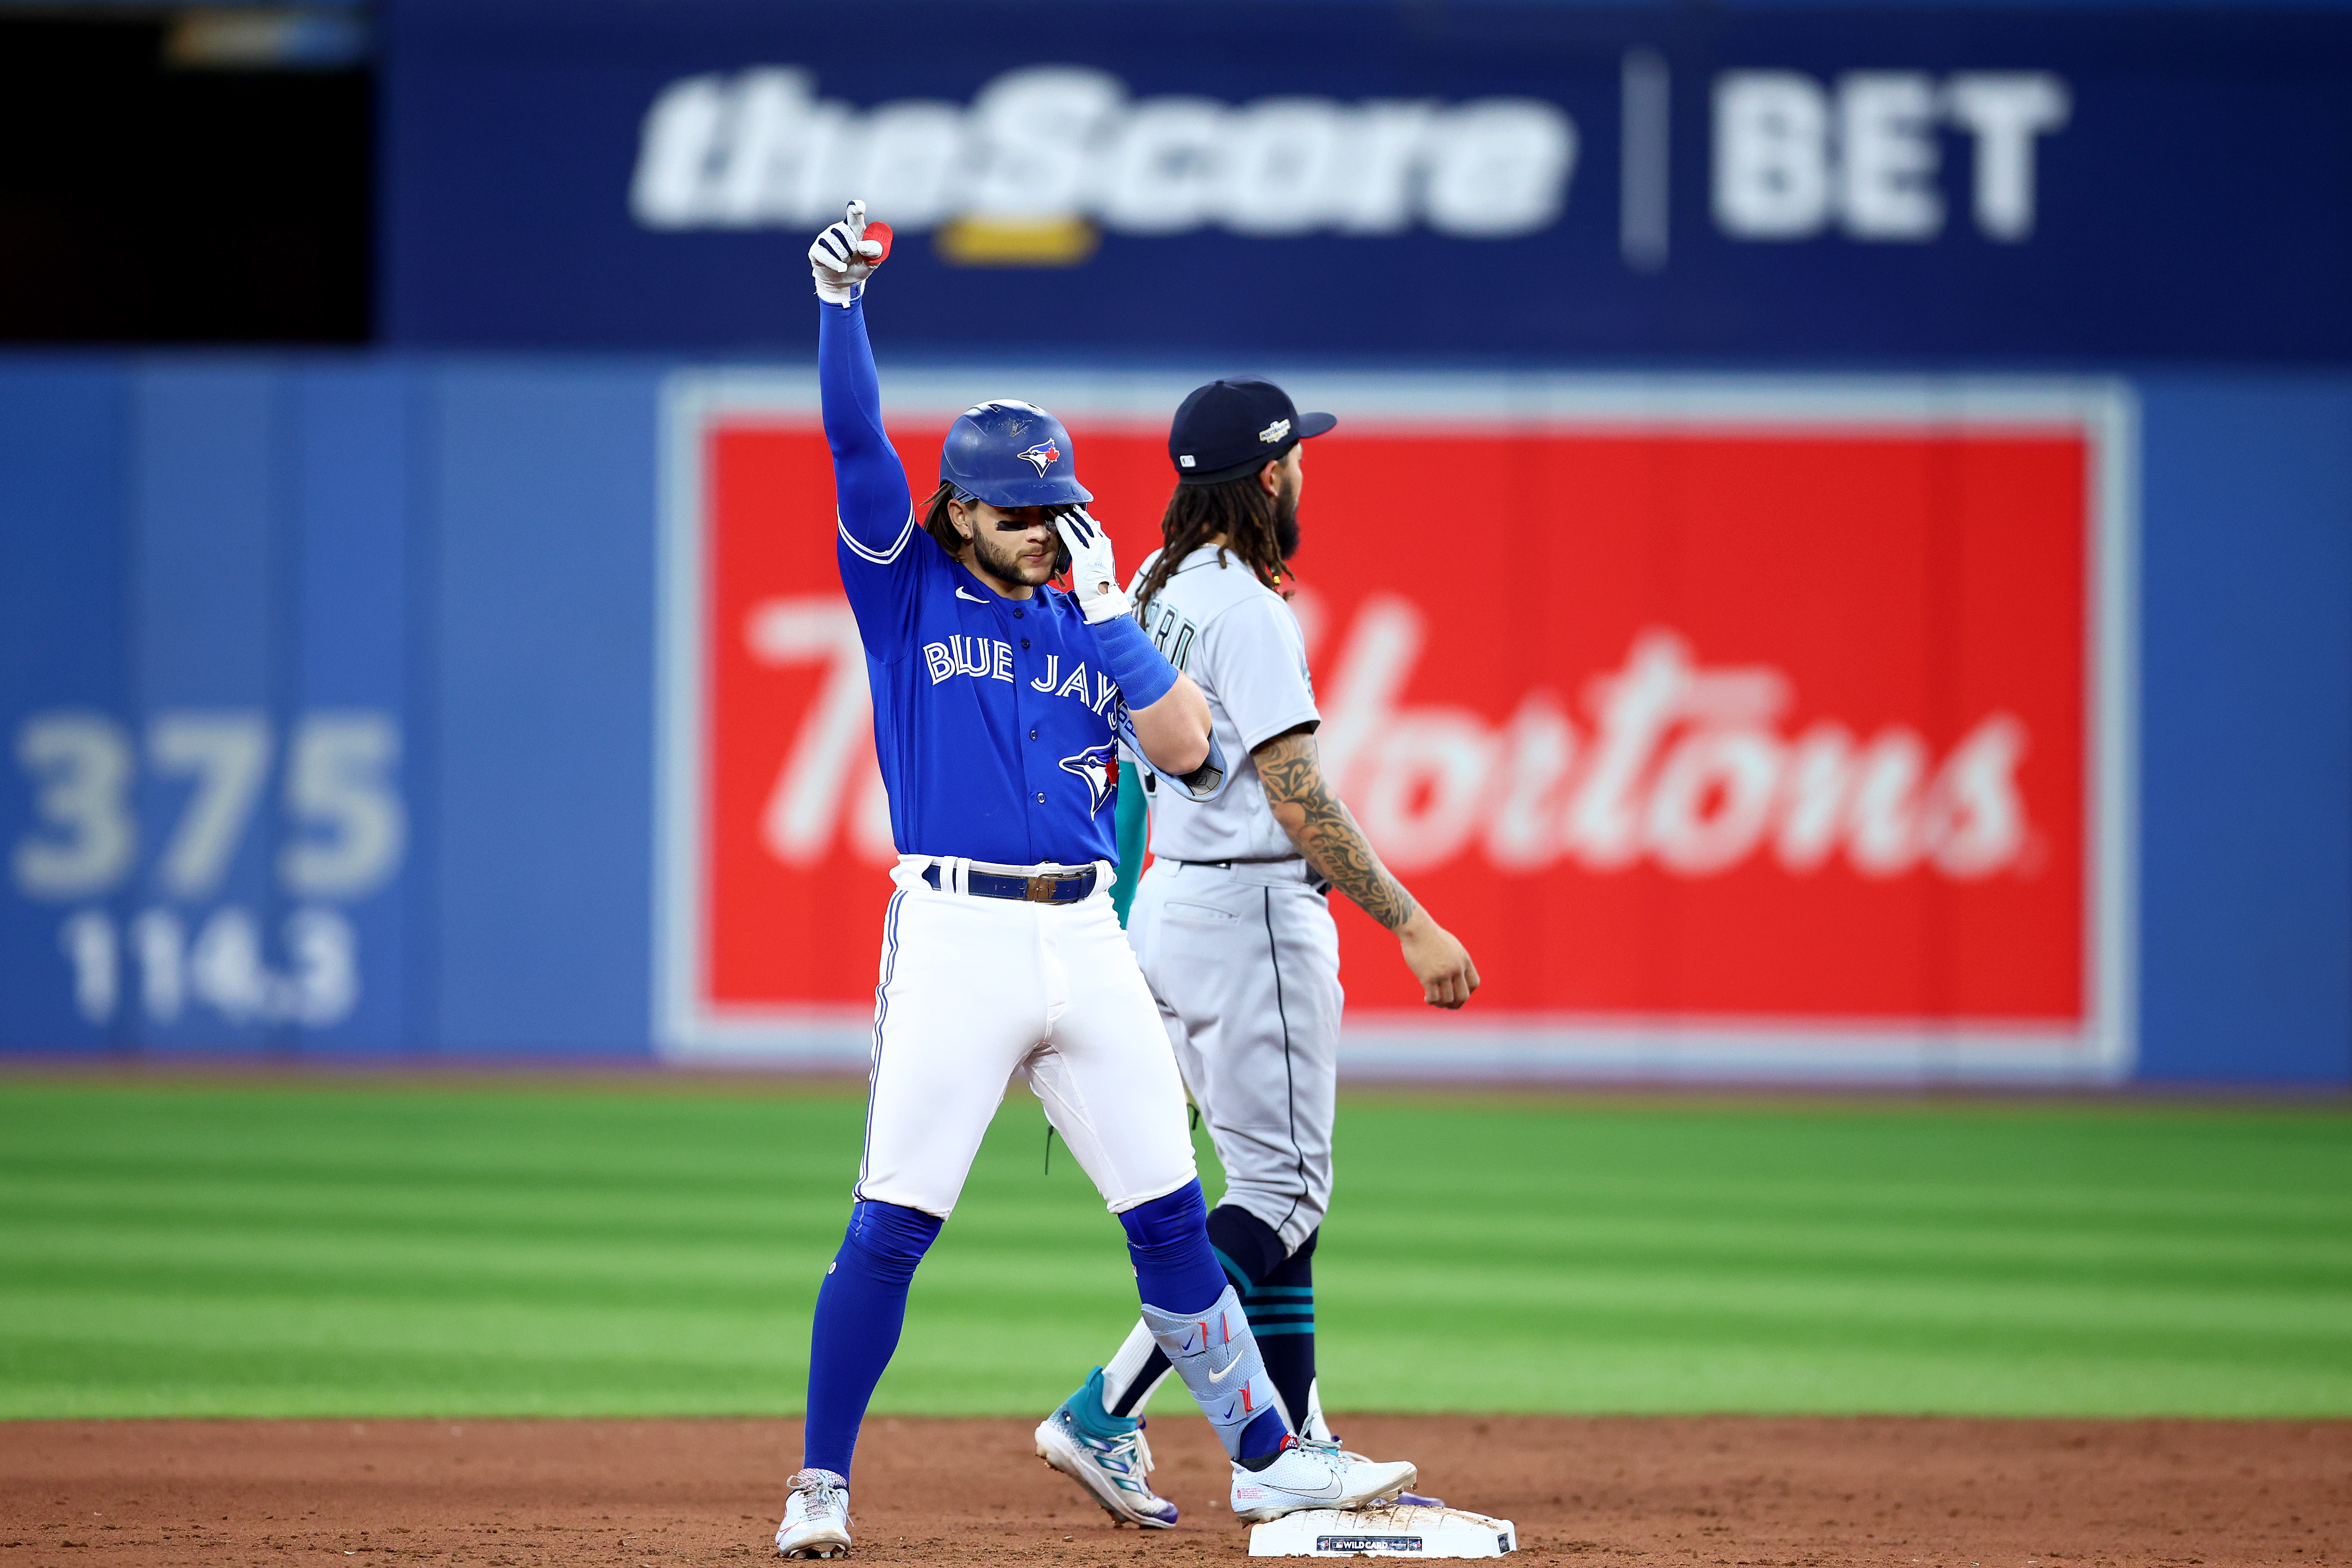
[(975, 990)]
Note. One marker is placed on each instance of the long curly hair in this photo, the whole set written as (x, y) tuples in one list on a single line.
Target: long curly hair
[(1239, 509), (937, 523)]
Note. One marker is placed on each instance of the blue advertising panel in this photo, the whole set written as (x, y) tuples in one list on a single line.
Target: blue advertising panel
[(1462, 181), (206, 807)]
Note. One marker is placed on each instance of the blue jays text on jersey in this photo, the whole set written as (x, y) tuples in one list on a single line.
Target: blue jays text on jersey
[(990, 658), (992, 719)]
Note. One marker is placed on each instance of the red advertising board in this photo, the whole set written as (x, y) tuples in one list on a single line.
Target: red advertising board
[(1737, 727)]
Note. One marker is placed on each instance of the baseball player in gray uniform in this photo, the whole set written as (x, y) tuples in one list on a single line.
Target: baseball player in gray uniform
[(1231, 923)]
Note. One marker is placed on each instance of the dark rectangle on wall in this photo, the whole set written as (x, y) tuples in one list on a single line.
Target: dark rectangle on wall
[(1507, 180), (153, 191)]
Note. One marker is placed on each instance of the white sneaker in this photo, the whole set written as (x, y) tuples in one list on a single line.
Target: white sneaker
[(816, 1516), (1315, 1475), (1403, 1499)]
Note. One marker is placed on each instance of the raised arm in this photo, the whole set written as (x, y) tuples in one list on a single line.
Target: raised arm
[(869, 482), (1327, 832)]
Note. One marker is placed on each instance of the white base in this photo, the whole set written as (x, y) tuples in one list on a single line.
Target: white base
[(1384, 1531)]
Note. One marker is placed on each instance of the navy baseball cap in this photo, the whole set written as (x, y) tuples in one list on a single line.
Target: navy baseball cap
[(1231, 428)]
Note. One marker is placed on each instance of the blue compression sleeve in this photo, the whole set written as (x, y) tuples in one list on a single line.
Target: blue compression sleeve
[(868, 481), (1176, 1270), (1143, 673), (860, 1309)]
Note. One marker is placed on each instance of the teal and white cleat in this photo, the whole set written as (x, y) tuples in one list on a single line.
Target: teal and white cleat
[(1105, 1454)]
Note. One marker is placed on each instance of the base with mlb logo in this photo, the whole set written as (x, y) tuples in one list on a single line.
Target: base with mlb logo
[(1384, 1530)]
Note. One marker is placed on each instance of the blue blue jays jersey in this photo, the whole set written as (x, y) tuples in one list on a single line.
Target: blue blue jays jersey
[(994, 718)]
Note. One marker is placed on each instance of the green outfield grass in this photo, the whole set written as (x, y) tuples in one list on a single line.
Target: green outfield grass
[(400, 1246)]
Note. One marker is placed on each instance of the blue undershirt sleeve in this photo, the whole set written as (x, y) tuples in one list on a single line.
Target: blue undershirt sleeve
[(877, 546)]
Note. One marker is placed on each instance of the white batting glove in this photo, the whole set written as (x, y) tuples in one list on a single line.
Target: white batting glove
[(1093, 577), (842, 258)]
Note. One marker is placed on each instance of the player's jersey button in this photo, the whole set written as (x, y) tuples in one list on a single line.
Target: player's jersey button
[(1033, 734), (1024, 642), (1041, 797), (1017, 614)]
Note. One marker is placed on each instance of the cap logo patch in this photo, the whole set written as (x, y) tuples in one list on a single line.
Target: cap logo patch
[(1274, 432), (1185, 461), (1041, 456)]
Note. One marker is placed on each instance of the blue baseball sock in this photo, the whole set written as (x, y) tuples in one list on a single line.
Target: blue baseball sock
[(1175, 1267), (860, 1309), (1176, 1272)]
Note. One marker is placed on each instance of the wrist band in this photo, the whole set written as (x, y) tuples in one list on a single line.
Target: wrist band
[(1143, 673)]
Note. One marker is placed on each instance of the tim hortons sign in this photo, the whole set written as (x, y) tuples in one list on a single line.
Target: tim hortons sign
[(1742, 728)]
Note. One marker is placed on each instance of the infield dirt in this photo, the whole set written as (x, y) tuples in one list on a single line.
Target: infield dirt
[(1758, 1492)]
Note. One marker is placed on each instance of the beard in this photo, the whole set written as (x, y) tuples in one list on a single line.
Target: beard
[(1286, 522), (1006, 565)]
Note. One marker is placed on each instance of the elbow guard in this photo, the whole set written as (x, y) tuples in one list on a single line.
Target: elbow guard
[(1201, 785)]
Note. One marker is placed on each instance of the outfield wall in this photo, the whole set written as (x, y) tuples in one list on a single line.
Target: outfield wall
[(335, 697)]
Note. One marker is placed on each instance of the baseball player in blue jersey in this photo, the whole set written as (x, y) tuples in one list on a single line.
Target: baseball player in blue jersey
[(1232, 924), (998, 707)]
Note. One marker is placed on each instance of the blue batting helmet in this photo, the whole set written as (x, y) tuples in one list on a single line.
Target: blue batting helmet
[(1011, 454)]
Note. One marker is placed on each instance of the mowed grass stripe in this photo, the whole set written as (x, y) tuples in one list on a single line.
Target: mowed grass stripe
[(307, 1247), (90, 1249)]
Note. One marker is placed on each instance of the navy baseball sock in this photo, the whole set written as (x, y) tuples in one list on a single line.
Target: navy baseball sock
[(1281, 1308), (860, 1309), (1249, 1248), (1178, 1271)]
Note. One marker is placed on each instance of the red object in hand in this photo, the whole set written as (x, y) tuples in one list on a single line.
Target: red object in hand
[(880, 231)]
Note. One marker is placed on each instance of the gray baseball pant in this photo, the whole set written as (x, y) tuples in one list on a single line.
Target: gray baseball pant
[(1244, 961)]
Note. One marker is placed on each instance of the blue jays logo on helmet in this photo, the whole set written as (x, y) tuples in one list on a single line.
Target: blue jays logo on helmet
[(1011, 454)]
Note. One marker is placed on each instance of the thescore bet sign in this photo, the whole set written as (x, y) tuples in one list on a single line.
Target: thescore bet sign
[(1544, 181), (760, 148)]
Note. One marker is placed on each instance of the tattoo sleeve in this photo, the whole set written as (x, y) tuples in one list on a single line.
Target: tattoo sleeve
[(1325, 832)]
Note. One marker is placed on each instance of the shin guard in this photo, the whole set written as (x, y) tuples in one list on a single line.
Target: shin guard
[(1216, 1355)]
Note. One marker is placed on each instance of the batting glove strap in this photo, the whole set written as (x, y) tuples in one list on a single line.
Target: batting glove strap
[(1109, 607)]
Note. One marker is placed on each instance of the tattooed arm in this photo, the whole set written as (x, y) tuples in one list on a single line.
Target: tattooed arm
[(1325, 832)]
